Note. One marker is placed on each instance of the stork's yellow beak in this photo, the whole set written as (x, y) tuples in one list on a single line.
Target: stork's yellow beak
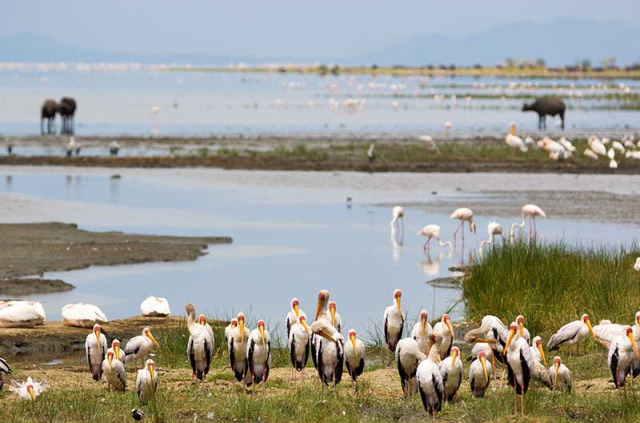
[(453, 335), (110, 359), (542, 354), (353, 342), (439, 358), (512, 333), (333, 316), (484, 368), (483, 340), (633, 343), (262, 333), (116, 350), (588, 323), (556, 366), (398, 302), (521, 326), (241, 324), (151, 373), (150, 336), (304, 324), (30, 391), (97, 334), (326, 335), (296, 310), (454, 355)]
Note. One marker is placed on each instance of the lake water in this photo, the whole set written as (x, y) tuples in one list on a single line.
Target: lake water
[(204, 103), (290, 239)]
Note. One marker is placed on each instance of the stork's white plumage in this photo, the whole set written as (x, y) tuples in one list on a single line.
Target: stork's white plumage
[(119, 353), (537, 350), (21, 314), (294, 314), (114, 371), (513, 140), (321, 314), (571, 333), (560, 375), (228, 330), (408, 357), (201, 343), (432, 232), (429, 380), (623, 350), (139, 346), (529, 211), (299, 344), (451, 369), (82, 315), (329, 351), (479, 375), (237, 347), (519, 364), (29, 389), (354, 356), (146, 382), (393, 322), (155, 307), (259, 354), (443, 330), (336, 320), (636, 266), (95, 347), (422, 331)]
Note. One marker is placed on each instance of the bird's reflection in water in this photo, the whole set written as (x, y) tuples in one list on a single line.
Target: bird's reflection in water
[(114, 186), (432, 267), (68, 186), (396, 245), (8, 181)]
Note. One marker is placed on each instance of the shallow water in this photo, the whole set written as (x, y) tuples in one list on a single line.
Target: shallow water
[(196, 103), (289, 241)]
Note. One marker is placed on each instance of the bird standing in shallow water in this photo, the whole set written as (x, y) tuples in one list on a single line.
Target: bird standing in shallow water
[(432, 232), (463, 215), (371, 153), (529, 211)]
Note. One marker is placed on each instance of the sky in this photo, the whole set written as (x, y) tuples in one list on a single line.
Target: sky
[(281, 27)]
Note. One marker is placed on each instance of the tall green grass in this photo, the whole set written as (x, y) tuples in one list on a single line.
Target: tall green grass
[(553, 284)]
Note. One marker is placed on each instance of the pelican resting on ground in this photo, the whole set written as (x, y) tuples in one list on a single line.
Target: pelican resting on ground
[(354, 356), (146, 382), (429, 380), (560, 375), (82, 315), (237, 347), (201, 343), (139, 346), (114, 372), (259, 354), (479, 378), (408, 357), (155, 307), (95, 347), (452, 370), (393, 322), (21, 314), (29, 389), (572, 333), (513, 140)]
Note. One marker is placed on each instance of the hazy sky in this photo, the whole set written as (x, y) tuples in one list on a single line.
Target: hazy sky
[(297, 27)]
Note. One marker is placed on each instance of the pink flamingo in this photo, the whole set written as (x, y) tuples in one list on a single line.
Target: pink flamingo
[(464, 215), (432, 231), (530, 211)]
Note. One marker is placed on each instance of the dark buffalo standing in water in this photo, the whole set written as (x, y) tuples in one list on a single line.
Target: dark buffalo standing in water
[(67, 110), (48, 113), (543, 106)]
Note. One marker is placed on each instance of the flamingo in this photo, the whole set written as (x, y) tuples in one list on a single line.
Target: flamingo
[(494, 229), (397, 216), (530, 211), (464, 215), (432, 231)]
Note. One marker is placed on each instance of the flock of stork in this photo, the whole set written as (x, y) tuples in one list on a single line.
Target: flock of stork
[(427, 361)]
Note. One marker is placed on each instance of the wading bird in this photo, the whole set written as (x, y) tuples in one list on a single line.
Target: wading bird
[(451, 369), (371, 153), (294, 314), (463, 215), (513, 140), (482, 346), (82, 315), (429, 380), (443, 330), (146, 382), (139, 346), (95, 347), (114, 371), (572, 333), (298, 342), (259, 354), (524, 332), (479, 378), (560, 375), (397, 217), (4, 368), (494, 229), (537, 351), (114, 148), (529, 211), (201, 343), (408, 357), (28, 390), (237, 347), (393, 322), (432, 231), (519, 365), (155, 307), (422, 331), (623, 350), (354, 356), (336, 320)]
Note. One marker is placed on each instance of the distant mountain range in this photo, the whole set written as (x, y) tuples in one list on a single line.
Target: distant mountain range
[(559, 42)]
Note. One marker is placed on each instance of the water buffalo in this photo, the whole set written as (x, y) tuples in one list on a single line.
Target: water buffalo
[(543, 106), (48, 113), (67, 109)]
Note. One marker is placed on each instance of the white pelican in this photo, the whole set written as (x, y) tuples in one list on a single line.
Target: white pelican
[(119, 353), (451, 369), (82, 315), (408, 357), (336, 320), (397, 216), (589, 153), (432, 231), (494, 229), (329, 351), (597, 146), (463, 215), (393, 322), (513, 140), (530, 211), (229, 329), (259, 354), (292, 316), (560, 375), (633, 155), (443, 330), (96, 347), (155, 307), (479, 378), (567, 144), (422, 331), (29, 389), (146, 382), (429, 380), (572, 333), (237, 347), (623, 350), (617, 145), (298, 342), (537, 351), (354, 356), (4, 368), (519, 365), (21, 314), (201, 344), (114, 371), (139, 346)]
